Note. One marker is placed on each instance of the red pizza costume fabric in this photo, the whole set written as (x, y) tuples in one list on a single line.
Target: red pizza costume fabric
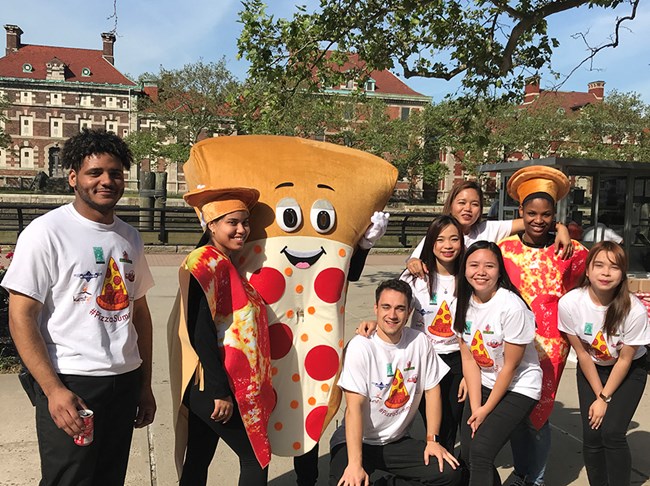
[(242, 327), (316, 200), (542, 277)]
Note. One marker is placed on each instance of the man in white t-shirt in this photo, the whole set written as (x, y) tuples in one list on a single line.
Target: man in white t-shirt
[(78, 315), (384, 378)]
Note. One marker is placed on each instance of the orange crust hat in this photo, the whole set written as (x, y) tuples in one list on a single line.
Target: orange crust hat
[(211, 204), (538, 178)]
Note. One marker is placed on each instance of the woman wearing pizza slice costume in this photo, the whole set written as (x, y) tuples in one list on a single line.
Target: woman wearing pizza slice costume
[(541, 277), (219, 347), (608, 328), (465, 203), (500, 365)]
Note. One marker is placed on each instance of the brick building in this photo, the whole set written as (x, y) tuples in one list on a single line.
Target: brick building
[(54, 92)]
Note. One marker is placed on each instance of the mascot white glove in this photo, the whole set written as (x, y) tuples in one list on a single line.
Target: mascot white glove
[(377, 228)]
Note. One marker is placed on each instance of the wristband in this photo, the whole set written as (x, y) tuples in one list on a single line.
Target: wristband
[(433, 438), (605, 398)]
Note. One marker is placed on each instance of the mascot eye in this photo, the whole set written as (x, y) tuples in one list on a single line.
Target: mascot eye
[(323, 216), (288, 214)]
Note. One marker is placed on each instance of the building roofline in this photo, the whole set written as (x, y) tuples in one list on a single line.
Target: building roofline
[(69, 83)]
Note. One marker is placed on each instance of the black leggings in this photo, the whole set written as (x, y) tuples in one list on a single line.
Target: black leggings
[(607, 455), (479, 452), (202, 440), (452, 410)]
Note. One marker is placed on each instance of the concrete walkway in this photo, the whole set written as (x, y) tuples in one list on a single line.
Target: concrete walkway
[(152, 464)]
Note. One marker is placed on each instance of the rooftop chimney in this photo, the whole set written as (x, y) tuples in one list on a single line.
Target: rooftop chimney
[(13, 38), (597, 88), (531, 90), (108, 39)]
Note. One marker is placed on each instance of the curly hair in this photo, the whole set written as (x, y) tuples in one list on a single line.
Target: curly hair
[(398, 286), (94, 142)]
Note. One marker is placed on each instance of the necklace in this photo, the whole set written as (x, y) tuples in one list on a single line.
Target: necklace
[(434, 297)]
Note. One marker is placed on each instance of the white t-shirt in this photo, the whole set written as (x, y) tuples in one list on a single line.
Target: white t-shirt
[(602, 233), (579, 316), (86, 275), (504, 318), (393, 378), (434, 315), (493, 231)]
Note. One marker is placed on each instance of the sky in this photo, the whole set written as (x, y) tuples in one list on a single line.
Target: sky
[(154, 33)]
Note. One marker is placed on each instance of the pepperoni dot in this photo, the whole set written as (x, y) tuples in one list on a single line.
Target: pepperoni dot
[(304, 338), (299, 289), (278, 426), (295, 377), (296, 445), (328, 285), (269, 283), (340, 343), (322, 362), (314, 422), (603, 347), (328, 327), (342, 309), (325, 387), (242, 259), (342, 252), (281, 340), (289, 314), (257, 249), (274, 371), (294, 404), (311, 310), (311, 401), (288, 272)]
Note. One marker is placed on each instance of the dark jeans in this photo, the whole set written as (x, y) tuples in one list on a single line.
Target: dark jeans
[(404, 459), (114, 401), (306, 467), (452, 410), (479, 452), (203, 437), (606, 452)]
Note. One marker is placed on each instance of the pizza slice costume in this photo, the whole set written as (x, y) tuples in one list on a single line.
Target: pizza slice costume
[(316, 200), (240, 320), (542, 277)]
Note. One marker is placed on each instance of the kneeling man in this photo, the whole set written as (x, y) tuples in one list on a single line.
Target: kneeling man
[(383, 379)]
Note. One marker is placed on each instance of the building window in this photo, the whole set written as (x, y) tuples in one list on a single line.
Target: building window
[(85, 72), (27, 68), (84, 123), (27, 157), (125, 132), (26, 126), (111, 126), (26, 97), (404, 113), (370, 85), (111, 102), (125, 104), (349, 85), (3, 158), (56, 127), (86, 100), (55, 99)]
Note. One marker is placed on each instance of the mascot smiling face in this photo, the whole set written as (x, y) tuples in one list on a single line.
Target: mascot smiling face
[(316, 200)]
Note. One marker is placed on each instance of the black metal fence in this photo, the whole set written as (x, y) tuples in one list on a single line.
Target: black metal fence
[(179, 225)]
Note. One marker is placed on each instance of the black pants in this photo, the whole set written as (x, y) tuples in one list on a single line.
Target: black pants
[(479, 452), (203, 437), (607, 455), (404, 459), (452, 410), (306, 467), (114, 401)]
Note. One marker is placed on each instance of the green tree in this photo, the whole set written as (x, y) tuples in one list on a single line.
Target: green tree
[(5, 139), (489, 44)]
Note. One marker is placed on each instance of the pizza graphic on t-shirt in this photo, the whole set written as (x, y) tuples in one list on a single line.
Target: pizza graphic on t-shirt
[(599, 345), (114, 296), (398, 396), (479, 352), (441, 325)]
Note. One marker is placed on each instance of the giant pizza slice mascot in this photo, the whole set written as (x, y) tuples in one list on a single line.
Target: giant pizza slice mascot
[(316, 201), (542, 277)]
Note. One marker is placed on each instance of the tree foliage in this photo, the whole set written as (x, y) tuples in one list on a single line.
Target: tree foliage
[(5, 138), (489, 44)]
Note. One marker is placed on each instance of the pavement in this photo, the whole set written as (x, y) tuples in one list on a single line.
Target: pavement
[(151, 462)]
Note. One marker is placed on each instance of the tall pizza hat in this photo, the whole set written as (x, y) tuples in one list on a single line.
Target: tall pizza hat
[(211, 203), (536, 179)]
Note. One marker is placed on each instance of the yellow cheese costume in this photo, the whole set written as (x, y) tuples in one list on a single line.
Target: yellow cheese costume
[(316, 201)]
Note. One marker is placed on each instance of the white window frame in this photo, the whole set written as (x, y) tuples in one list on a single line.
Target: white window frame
[(85, 123), (85, 100), (111, 102), (26, 126), (56, 99), (56, 132), (27, 157), (26, 97), (111, 126)]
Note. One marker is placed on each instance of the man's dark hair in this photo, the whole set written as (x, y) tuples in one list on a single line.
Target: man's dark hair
[(94, 142), (396, 285)]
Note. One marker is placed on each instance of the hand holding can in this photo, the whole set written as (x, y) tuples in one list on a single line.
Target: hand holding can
[(86, 437)]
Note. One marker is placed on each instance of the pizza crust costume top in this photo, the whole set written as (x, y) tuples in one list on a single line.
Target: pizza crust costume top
[(316, 201), (542, 277), (241, 323)]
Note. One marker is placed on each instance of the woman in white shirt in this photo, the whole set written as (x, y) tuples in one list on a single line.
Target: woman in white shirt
[(608, 328), (500, 363)]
